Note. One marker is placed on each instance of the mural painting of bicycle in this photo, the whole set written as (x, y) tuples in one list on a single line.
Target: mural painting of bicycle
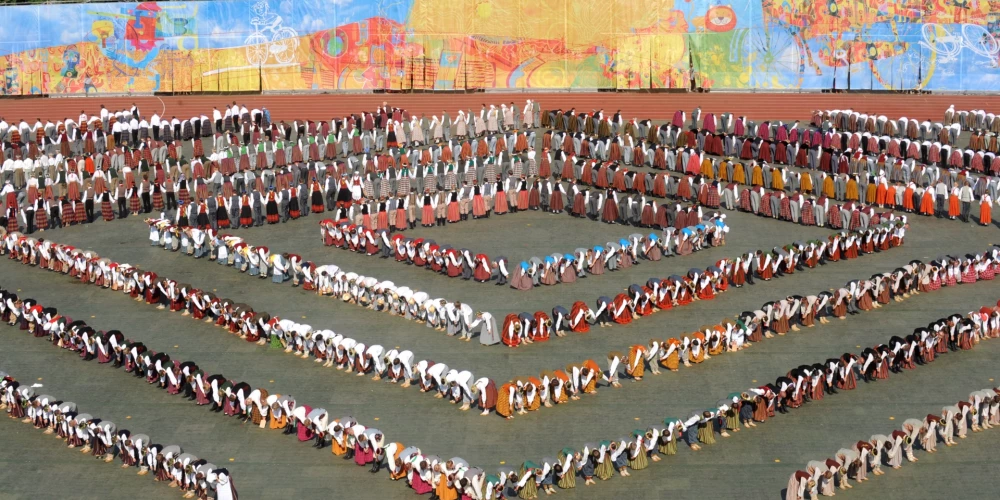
[(949, 42), (269, 37)]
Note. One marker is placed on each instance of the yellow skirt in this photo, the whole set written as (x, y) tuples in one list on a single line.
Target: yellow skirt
[(706, 169), (806, 184), (339, 448), (739, 175), (278, 422), (445, 492), (828, 187), (395, 476), (852, 191)]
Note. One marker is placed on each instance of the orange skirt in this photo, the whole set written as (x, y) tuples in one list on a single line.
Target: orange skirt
[(671, 362), (716, 350), (880, 194), (534, 404), (640, 367), (562, 397), (503, 407), (926, 205), (396, 476)]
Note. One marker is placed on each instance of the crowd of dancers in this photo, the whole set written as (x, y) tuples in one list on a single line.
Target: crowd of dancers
[(103, 440), (454, 477)]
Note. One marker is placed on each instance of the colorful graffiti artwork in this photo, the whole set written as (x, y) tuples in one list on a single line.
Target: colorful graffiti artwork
[(288, 45)]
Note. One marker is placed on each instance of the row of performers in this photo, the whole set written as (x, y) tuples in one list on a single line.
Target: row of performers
[(981, 411), (535, 271), (102, 439), (426, 474)]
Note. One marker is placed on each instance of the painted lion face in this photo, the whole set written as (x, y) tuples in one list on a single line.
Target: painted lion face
[(720, 18)]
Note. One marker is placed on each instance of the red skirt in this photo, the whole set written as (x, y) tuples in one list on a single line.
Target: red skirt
[(81, 213), (545, 169), (712, 197), (579, 206), (427, 215), (833, 217), (624, 318), (807, 217), (401, 219), (567, 171), (556, 202), (646, 218), (766, 272), (745, 203), (500, 202), (522, 200), (228, 166), (610, 213), (382, 221), (840, 311), (534, 199), (479, 206), (739, 276), (453, 213), (107, 211), (41, 219)]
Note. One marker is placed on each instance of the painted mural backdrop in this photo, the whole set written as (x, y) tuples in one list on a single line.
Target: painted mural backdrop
[(249, 45)]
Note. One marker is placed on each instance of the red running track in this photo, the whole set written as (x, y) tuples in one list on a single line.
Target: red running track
[(756, 106)]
